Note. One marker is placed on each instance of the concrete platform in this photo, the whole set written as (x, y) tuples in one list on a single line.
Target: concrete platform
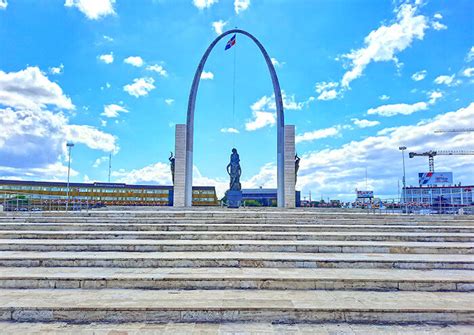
[(253, 266), (109, 305), (238, 278), (313, 246), (241, 235), (237, 259), (241, 328), (100, 226)]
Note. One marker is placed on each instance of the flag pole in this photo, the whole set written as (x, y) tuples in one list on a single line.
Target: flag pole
[(233, 94)]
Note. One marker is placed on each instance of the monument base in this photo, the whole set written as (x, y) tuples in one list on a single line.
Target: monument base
[(234, 199)]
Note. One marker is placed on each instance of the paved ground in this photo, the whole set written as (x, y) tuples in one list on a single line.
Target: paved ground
[(227, 329)]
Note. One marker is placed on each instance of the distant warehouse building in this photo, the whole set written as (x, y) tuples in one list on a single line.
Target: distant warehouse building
[(265, 196), (456, 196), (105, 193)]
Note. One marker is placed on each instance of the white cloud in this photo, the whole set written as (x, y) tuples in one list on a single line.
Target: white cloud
[(219, 26), (395, 109), (3, 4), (169, 102), (113, 110), (384, 43), (420, 75), (327, 90), (264, 110), (318, 134), (276, 63), (32, 139), (56, 70), (438, 16), (365, 123), (337, 172), (107, 58), (241, 5), (438, 25), (108, 38), (201, 4), (260, 120), (434, 96), (140, 87), (99, 161), (384, 97), (107, 85), (136, 61), (157, 173), (31, 89), (91, 137), (265, 178), (158, 69), (470, 55), (469, 72), (446, 80), (33, 142), (229, 130), (207, 75), (328, 95), (93, 9)]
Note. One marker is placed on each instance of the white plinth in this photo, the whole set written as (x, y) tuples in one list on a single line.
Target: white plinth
[(180, 166), (289, 166)]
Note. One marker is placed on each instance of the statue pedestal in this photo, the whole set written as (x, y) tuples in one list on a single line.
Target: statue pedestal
[(234, 199)]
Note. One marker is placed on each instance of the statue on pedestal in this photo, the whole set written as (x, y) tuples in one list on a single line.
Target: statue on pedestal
[(297, 166), (172, 164), (234, 171), (234, 194)]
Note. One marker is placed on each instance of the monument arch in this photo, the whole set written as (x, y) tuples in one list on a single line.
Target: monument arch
[(183, 188)]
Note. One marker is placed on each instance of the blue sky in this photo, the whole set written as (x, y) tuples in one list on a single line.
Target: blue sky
[(360, 78)]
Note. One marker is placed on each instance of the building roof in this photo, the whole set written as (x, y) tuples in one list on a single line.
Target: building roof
[(95, 184), (439, 187)]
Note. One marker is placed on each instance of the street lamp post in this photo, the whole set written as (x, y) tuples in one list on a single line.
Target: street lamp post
[(403, 148), (69, 147)]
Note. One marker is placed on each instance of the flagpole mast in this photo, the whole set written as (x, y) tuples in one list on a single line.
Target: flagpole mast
[(233, 97)]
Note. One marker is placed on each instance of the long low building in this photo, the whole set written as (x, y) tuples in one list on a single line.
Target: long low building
[(104, 193), (456, 196), (265, 196)]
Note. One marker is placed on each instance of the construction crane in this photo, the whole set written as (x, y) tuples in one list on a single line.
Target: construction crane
[(465, 130), (430, 154)]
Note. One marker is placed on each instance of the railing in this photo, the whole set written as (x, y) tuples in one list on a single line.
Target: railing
[(30, 202)]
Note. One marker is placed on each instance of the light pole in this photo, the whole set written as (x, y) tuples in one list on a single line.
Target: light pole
[(69, 147), (403, 148)]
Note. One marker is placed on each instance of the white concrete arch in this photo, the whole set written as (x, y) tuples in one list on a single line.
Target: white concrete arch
[(279, 110)]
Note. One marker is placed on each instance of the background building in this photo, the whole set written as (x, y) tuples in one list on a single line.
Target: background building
[(264, 197), (454, 196), (103, 193)]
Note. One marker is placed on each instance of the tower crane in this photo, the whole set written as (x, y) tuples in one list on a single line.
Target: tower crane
[(465, 130), (430, 154)]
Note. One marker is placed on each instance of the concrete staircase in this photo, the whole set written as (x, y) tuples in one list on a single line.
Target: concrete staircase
[(236, 266)]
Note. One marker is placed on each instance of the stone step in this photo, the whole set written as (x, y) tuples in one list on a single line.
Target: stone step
[(236, 259), (236, 278), (241, 235), (221, 211), (231, 227), (226, 220), (312, 246), (229, 328), (276, 306)]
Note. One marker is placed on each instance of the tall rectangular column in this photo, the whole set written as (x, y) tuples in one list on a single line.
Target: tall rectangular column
[(179, 166), (290, 179)]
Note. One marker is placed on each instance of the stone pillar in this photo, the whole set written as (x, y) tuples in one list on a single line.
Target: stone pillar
[(290, 201), (179, 166)]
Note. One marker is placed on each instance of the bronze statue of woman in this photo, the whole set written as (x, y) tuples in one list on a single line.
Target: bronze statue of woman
[(234, 171), (172, 164)]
